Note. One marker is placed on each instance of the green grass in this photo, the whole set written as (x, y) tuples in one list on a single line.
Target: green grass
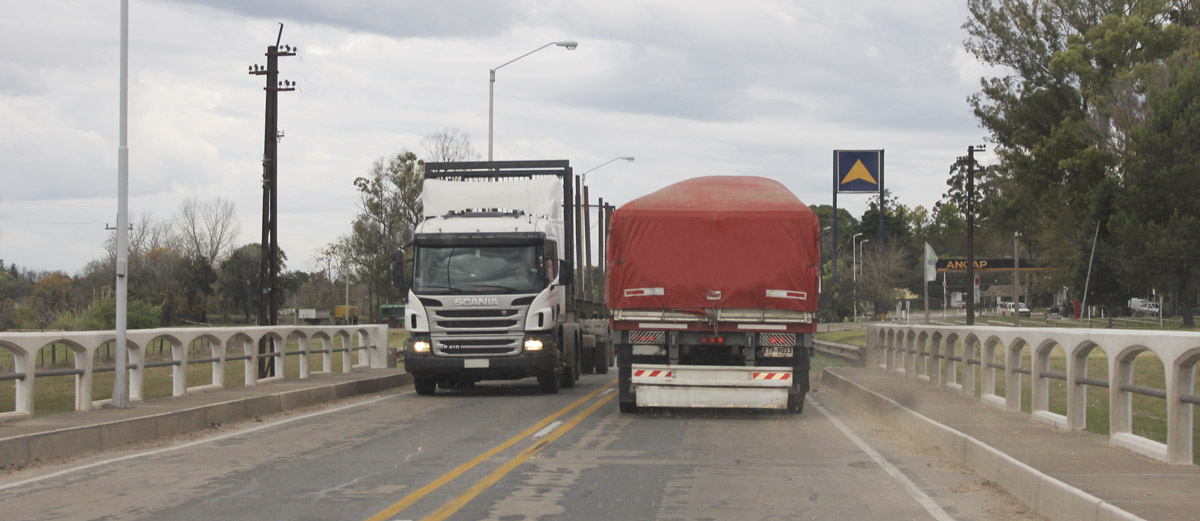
[(856, 337), (820, 362), (56, 394)]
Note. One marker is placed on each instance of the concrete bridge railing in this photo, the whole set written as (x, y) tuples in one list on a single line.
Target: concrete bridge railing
[(938, 354), (368, 341)]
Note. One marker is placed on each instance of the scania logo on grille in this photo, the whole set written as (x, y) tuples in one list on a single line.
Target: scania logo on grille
[(477, 301)]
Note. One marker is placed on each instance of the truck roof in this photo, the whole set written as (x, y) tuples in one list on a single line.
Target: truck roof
[(716, 194), (720, 242)]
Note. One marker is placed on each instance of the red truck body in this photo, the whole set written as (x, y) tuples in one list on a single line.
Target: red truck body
[(722, 242)]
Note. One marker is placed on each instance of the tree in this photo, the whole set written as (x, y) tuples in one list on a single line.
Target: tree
[(882, 270), (208, 228), (1160, 216), (50, 296), (238, 282), (1078, 76), (449, 144), (390, 208)]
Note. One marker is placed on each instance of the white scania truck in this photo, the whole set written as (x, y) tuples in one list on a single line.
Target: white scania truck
[(492, 294)]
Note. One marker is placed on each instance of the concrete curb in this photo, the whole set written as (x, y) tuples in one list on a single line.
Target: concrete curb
[(1043, 493), (73, 441)]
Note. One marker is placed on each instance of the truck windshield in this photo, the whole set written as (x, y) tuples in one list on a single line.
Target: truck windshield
[(478, 270)]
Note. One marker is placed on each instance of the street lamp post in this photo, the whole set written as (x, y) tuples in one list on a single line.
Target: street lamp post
[(854, 270), (569, 44), (585, 173), (582, 191)]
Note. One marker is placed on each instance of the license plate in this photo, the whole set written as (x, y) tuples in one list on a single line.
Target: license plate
[(777, 351), (475, 364)]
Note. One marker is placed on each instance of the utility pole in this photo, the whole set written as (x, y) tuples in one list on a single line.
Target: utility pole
[(268, 302), (971, 232), (120, 394)]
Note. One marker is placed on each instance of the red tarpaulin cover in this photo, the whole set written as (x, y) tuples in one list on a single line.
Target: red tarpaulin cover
[(744, 237)]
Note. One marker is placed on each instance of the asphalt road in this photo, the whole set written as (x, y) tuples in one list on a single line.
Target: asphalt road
[(504, 452)]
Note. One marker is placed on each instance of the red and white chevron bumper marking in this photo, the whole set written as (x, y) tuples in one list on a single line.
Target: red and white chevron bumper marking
[(655, 373), (771, 376)]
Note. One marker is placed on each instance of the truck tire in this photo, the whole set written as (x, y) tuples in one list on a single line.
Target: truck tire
[(571, 372), (600, 358), (588, 360), (626, 399), (424, 385), (549, 383), (795, 403)]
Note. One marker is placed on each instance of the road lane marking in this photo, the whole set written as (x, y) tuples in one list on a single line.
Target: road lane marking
[(420, 493), (924, 500), (609, 391), (190, 444), (546, 430), (457, 503)]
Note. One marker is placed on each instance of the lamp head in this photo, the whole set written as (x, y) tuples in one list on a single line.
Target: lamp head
[(569, 44), (628, 158)]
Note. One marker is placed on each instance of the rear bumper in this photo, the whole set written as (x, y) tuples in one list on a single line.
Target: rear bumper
[(711, 386)]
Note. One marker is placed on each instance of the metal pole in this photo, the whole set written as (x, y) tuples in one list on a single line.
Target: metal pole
[(120, 394), (970, 235), (589, 294), (491, 99), (834, 245), (925, 280), (853, 263), (1016, 282), (579, 261), (1088, 280)]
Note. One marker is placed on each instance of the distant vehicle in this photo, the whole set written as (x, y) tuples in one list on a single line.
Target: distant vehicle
[(393, 314), (1143, 307), (345, 314), (1008, 308), (312, 316)]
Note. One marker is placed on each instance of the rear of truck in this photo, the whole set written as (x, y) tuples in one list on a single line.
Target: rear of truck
[(713, 289)]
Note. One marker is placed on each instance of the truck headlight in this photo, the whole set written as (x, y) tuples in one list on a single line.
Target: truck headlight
[(420, 346), (533, 344)]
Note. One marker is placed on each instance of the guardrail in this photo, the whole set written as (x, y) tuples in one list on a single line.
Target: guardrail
[(371, 346), (848, 352), (935, 353)]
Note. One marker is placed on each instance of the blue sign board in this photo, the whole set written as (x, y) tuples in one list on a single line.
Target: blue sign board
[(858, 171)]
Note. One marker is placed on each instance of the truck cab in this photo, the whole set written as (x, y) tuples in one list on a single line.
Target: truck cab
[(490, 277)]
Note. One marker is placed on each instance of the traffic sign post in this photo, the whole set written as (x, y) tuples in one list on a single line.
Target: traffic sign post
[(857, 172)]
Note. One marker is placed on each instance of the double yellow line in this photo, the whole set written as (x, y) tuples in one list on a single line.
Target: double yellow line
[(457, 503)]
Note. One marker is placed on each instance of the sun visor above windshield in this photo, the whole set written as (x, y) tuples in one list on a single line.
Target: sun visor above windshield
[(540, 197)]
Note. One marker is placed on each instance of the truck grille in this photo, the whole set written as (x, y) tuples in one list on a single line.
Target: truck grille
[(469, 331)]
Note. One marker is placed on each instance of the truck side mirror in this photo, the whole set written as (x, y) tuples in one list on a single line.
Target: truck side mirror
[(398, 265)]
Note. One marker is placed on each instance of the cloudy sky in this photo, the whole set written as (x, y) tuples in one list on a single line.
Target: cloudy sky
[(703, 87)]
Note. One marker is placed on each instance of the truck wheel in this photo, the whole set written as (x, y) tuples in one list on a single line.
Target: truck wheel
[(588, 362), (425, 385), (600, 357), (571, 372), (549, 383), (627, 407), (795, 403)]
